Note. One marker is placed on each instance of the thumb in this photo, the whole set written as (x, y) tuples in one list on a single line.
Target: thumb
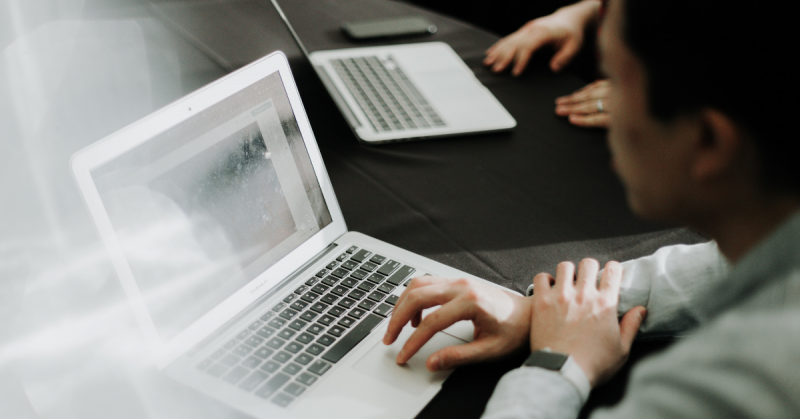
[(564, 55), (630, 323), (456, 355)]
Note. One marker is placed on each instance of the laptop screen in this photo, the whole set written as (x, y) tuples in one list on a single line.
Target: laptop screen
[(208, 205)]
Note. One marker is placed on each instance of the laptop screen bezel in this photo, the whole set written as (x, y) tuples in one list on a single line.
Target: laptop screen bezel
[(148, 128)]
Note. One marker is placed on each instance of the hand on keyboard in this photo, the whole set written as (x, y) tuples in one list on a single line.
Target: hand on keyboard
[(501, 319)]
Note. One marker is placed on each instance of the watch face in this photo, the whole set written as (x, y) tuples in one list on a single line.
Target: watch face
[(548, 360)]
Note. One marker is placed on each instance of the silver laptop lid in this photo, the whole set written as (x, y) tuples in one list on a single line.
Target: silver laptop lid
[(209, 203)]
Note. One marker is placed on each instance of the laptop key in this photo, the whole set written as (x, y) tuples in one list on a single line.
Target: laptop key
[(340, 273), (272, 385), (230, 360), (275, 343), (352, 249), (326, 319), (376, 278), (330, 281), (336, 311), (306, 378), (243, 334), (351, 339), (342, 257), (254, 326), (298, 324), (320, 288), (282, 400), (282, 357), (319, 367), (377, 259), (314, 349), (332, 265), (349, 282), (389, 267), (347, 302), (401, 274), (293, 347), (346, 322), (356, 294), (366, 286), (292, 369), (369, 266), (288, 314), (319, 307), (392, 299), (217, 370), (268, 315), (367, 305), (339, 290), (303, 359), (289, 298), (254, 341), (286, 333), (242, 350), (263, 352), (336, 330), (315, 329), (360, 255), (305, 338), (358, 274), (357, 313), (251, 362), (386, 288), (266, 332), (321, 273), (329, 298), (277, 322), (299, 305), (251, 382), (278, 307), (311, 281), (294, 389), (349, 265), (236, 374), (308, 316), (325, 340), (301, 289), (270, 366), (383, 310)]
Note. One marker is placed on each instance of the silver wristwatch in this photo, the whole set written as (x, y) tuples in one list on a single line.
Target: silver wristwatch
[(563, 364)]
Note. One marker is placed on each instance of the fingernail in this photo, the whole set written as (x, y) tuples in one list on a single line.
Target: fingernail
[(386, 338), (401, 355), (436, 363)]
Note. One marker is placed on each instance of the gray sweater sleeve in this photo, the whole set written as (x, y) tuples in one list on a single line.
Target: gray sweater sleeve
[(533, 393)]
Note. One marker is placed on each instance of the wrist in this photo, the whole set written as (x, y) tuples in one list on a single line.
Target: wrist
[(564, 365)]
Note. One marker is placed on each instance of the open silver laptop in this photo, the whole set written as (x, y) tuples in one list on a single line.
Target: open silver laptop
[(221, 223), (403, 92)]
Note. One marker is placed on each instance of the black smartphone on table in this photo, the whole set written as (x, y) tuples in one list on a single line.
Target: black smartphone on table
[(385, 28)]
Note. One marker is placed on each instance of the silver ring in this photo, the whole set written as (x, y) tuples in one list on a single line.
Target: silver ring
[(600, 107)]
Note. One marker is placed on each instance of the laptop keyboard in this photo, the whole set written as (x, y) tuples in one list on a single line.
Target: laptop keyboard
[(299, 339), (388, 98)]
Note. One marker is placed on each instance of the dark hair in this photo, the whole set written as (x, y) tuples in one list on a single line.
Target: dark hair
[(736, 56)]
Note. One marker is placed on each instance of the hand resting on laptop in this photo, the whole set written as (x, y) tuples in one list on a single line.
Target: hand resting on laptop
[(501, 319)]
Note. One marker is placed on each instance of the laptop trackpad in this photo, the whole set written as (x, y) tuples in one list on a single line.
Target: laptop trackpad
[(412, 377)]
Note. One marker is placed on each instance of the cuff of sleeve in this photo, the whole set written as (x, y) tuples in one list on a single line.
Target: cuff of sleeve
[(575, 375)]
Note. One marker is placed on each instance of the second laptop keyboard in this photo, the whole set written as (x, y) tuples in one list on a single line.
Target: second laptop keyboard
[(299, 339), (385, 94)]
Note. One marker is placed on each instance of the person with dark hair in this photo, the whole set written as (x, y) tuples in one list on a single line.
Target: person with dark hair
[(700, 135)]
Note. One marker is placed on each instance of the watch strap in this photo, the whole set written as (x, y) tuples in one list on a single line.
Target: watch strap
[(564, 365)]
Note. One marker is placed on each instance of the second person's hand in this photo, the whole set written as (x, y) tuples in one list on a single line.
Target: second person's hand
[(564, 30), (586, 107)]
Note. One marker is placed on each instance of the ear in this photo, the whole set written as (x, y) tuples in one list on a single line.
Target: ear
[(720, 144)]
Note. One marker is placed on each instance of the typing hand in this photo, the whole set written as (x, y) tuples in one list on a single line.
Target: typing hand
[(501, 319), (586, 107), (564, 30), (580, 318)]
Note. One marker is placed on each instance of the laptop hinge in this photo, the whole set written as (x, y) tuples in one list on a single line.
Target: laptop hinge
[(260, 301)]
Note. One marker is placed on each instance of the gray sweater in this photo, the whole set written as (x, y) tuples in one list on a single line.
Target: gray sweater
[(741, 353)]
